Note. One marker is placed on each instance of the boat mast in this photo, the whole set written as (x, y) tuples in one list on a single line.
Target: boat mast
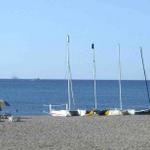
[(145, 74), (94, 76), (120, 87), (68, 71)]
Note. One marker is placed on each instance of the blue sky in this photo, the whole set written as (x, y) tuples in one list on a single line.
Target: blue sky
[(33, 38)]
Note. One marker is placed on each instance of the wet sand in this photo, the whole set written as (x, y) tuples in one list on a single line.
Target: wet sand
[(76, 133)]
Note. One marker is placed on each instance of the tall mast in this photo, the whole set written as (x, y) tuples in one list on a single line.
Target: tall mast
[(68, 71), (145, 74), (94, 76), (120, 87)]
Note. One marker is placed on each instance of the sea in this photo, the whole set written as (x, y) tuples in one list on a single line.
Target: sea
[(30, 96)]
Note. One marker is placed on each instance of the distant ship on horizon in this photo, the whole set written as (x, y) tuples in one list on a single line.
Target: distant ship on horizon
[(15, 78)]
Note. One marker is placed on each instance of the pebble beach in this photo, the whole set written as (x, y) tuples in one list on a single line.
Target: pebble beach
[(76, 133)]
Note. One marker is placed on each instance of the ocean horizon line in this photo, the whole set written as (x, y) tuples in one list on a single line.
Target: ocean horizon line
[(72, 79)]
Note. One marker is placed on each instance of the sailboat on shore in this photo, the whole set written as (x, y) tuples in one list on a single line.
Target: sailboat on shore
[(93, 111), (68, 111), (145, 111), (117, 111), (106, 112), (71, 101), (120, 111)]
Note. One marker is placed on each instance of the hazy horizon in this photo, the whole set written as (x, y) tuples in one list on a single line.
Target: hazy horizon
[(17, 78)]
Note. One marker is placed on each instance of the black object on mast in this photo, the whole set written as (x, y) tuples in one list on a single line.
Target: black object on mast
[(145, 74)]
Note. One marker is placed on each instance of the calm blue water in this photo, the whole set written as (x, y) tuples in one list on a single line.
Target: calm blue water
[(28, 96)]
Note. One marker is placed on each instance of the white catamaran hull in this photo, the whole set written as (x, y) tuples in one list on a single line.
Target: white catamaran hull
[(82, 112), (114, 112), (129, 112), (67, 113), (59, 113)]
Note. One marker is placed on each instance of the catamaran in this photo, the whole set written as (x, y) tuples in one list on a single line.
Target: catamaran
[(68, 111), (107, 111), (145, 111), (120, 111), (117, 111), (92, 112)]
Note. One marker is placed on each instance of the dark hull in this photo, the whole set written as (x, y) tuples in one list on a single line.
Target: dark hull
[(143, 112), (74, 113), (101, 112)]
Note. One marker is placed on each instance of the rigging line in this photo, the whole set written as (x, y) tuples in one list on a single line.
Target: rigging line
[(68, 72), (71, 86), (70, 89), (120, 86)]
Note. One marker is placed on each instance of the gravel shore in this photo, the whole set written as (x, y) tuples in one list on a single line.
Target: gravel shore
[(76, 133)]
